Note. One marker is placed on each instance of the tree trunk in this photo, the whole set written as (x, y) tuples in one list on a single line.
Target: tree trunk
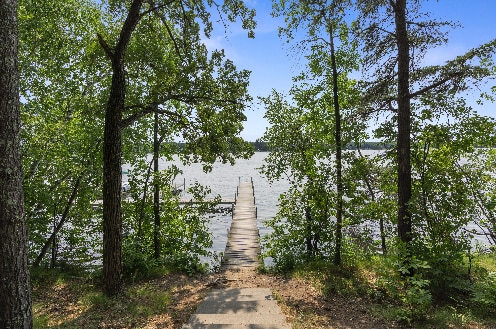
[(308, 238), (53, 260), (404, 164), (58, 227), (112, 185), (156, 190), (382, 230), (15, 288), (141, 218), (112, 154), (339, 163)]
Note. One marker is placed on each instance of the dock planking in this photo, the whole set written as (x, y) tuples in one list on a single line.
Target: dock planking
[(239, 308), (243, 240)]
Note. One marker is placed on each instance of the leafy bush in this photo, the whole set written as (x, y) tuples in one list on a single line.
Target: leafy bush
[(484, 291), (185, 262), (178, 239), (410, 289), (137, 264), (447, 269)]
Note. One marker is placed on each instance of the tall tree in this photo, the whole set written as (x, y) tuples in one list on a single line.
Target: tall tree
[(15, 288), (298, 140), (395, 40), (211, 103), (323, 21), (403, 144)]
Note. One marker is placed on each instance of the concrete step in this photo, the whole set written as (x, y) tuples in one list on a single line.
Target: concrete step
[(250, 308), (234, 326), (241, 294), (260, 307), (271, 320)]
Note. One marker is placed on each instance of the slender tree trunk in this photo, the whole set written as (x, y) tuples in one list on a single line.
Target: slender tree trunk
[(382, 230), (339, 160), (15, 288), (112, 154), (308, 238), (156, 190), (53, 260), (141, 217), (404, 164), (61, 223)]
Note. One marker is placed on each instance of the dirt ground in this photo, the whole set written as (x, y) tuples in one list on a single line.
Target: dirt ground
[(302, 304)]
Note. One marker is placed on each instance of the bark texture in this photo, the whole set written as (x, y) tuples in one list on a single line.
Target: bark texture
[(15, 288), (339, 160), (156, 191), (404, 164), (112, 154)]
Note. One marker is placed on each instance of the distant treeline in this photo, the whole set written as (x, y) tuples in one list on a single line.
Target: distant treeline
[(261, 146)]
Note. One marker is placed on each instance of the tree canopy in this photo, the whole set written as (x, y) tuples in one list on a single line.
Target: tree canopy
[(102, 83)]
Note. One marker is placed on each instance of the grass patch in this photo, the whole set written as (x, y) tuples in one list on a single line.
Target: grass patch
[(62, 300), (150, 300), (396, 299), (41, 321), (97, 300), (355, 280)]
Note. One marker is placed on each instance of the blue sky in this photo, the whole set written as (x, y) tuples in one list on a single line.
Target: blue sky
[(273, 63)]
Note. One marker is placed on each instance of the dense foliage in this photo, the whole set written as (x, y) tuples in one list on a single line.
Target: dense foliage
[(109, 82), (422, 201), (66, 83)]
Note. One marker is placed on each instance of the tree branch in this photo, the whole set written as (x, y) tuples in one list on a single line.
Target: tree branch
[(171, 36), (435, 85), (376, 27), (105, 46)]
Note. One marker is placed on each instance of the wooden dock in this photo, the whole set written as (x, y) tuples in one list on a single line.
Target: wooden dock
[(243, 240), (222, 201)]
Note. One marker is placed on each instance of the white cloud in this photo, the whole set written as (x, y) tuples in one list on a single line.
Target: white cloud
[(219, 42)]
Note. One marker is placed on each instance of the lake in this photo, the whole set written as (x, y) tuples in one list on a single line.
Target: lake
[(223, 180)]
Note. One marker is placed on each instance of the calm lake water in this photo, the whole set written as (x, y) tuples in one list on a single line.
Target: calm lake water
[(223, 180)]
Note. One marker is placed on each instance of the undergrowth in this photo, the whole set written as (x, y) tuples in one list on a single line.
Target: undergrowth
[(75, 299), (413, 300)]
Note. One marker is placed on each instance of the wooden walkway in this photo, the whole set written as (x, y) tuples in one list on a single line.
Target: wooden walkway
[(240, 308), (243, 240)]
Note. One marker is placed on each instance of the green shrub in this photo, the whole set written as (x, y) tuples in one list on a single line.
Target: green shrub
[(185, 262), (136, 263), (484, 291), (410, 290)]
